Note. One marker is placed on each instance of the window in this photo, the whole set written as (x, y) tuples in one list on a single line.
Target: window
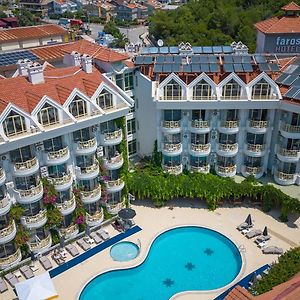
[(14, 124), (132, 109), (54, 144), (202, 91), (198, 115), (128, 81), (82, 135), (231, 90), (131, 128), (261, 90), (258, 114), (132, 147), (119, 80), (105, 100), (21, 154), (78, 108), (48, 115), (172, 91)]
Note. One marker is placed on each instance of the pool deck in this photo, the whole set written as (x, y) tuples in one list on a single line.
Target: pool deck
[(185, 212)]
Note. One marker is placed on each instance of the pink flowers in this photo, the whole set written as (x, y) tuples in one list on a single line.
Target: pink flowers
[(80, 219), (105, 178), (49, 199)]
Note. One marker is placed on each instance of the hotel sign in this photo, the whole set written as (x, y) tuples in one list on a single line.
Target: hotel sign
[(287, 45)]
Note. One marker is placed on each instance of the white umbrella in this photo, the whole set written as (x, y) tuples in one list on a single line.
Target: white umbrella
[(37, 288)]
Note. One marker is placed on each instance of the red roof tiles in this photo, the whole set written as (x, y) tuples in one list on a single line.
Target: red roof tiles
[(285, 24), (291, 7)]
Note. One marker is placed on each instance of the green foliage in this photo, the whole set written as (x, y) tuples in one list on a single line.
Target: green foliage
[(54, 217), (106, 214), (16, 212), (287, 266), (156, 156), (111, 28), (25, 17), (213, 22), (54, 236), (22, 236)]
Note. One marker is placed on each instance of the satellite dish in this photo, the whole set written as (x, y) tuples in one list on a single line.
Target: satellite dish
[(160, 43)]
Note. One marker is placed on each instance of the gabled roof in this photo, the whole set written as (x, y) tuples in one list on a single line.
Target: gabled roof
[(291, 7), (285, 24)]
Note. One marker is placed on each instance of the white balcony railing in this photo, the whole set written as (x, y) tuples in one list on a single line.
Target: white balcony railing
[(69, 231), (200, 147), (253, 170), (58, 181), (7, 231), (200, 169), (29, 221), (86, 195), (175, 170), (226, 170), (27, 165), (2, 175), (40, 245), (228, 147), (114, 183), (108, 136), (87, 144), (288, 153), (229, 124), (92, 219), (290, 128), (255, 148), (199, 124), (172, 147), (90, 169), (258, 124), (114, 208), (66, 205), (32, 192), (11, 259), (285, 176), (55, 155), (171, 124)]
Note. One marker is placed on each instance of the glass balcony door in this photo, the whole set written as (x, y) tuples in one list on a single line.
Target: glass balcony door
[(255, 139), (199, 138), (26, 183), (227, 138), (171, 161), (198, 115), (258, 114), (54, 144), (254, 162), (21, 154), (172, 115), (82, 135)]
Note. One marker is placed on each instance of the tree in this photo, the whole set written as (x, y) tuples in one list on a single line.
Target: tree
[(25, 17)]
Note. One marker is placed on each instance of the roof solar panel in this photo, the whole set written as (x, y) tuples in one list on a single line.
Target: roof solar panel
[(160, 59), (169, 59), (297, 96), (177, 59), (246, 59), (195, 59), (164, 50), (296, 83), (290, 69), (296, 71), (213, 59), (153, 50), (273, 67), (167, 68), (238, 68), (176, 68), (12, 58), (281, 78), (197, 50), (174, 50), (203, 59), (157, 68), (237, 59), (228, 59), (247, 67), (207, 49), (148, 60), (227, 49), (290, 79), (139, 60), (228, 68), (214, 68), (186, 68), (205, 68), (291, 92), (217, 49), (196, 68), (260, 59), (263, 67)]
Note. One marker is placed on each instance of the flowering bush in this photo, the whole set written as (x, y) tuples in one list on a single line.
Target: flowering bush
[(22, 236), (50, 194), (80, 220)]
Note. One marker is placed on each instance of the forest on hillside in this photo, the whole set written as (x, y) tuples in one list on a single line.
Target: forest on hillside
[(214, 22)]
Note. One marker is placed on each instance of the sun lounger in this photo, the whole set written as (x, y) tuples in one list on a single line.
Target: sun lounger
[(272, 250), (83, 244), (118, 226), (45, 262), (244, 225), (27, 272), (58, 258), (3, 286), (96, 238), (253, 233), (103, 234), (72, 250), (262, 238), (11, 279)]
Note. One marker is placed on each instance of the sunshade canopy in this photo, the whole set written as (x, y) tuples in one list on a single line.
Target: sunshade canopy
[(127, 213)]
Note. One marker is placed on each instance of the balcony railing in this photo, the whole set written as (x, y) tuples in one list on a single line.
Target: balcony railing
[(98, 215), (288, 153), (61, 180), (258, 124), (108, 136), (32, 191), (66, 205), (114, 208), (69, 230), (171, 124), (114, 160), (8, 230), (204, 168), (200, 124), (173, 169), (255, 147), (13, 258), (228, 147), (26, 165), (28, 220), (285, 176), (87, 144), (253, 170), (290, 128), (91, 194), (230, 124), (114, 183), (229, 169), (172, 98), (35, 246), (200, 147), (90, 169), (58, 154), (2, 174), (172, 147)]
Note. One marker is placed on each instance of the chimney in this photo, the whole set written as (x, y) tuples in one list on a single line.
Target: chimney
[(22, 65), (36, 73), (86, 62), (72, 59)]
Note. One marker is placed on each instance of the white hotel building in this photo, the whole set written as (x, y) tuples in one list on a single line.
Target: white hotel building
[(208, 109)]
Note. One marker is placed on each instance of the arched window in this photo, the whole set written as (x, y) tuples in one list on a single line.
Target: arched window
[(105, 100), (202, 91), (14, 124), (261, 90), (48, 115), (231, 90), (78, 108), (172, 91)]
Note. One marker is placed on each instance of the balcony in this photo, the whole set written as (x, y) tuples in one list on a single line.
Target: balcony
[(5, 205), (171, 127), (172, 149), (111, 138), (257, 127), (287, 155), (113, 163), (57, 157), (227, 149), (173, 170), (257, 172), (113, 209), (113, 186), (290, 131), (26, 168), (69, 232), (228, 127), (36, 221), (197, 126), (200, 149), (62, 183), (2, 176), (86, 147), (34, 194), (200, 169), (8, 233), (91, 196), (229, 171), (40, 246), (285, 178), (255, 150), (67, 207), (87, 173), (94, 219), (9, 261)]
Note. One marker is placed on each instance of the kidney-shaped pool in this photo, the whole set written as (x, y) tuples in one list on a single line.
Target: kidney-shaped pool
[(182, 259)]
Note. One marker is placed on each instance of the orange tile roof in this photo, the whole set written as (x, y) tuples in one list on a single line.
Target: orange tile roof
[(49, 52), (239, 293), (291, 7), (30, 32), (131, 5), (58, 85), (285, 24)]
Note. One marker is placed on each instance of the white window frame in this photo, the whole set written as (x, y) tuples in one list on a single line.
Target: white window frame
[(171, 88), (45, 111), (76, 102), (202, 86), (107, 99), (261, 90), (12, 117), (234, 90)]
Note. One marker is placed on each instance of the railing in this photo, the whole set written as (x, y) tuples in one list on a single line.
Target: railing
[(172, 98), (91, 194), (253, 170), (229, 169), (5, 202), (90, 169), (27, 164), (8, 230), (98, 215), (228, 147), (200, 147), (172, 169), (87, 144), (11, 258), (36, 218), (172, 147), (285, 176), (203, 98), (290, 128), (58, 154), (40, 244), (204, 168), (171, 124), (114, 183), (31, 192), (200, 124), (258, 124), (114, 159), (66, 204), (113, 135), (288, 153), (230, 124), (116, 207), (255, 147), (69, 230), (61, 180), (1, 173)]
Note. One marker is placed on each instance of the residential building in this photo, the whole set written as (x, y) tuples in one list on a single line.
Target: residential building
[(125, 11), (36, 6), (152, 5), (59, 7)]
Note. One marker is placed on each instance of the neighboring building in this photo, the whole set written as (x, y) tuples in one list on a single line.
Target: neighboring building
[(142, 12), (152, 6), (59, 7), (36, 6), (280, 34), (103, 10), (9, 22), (125, 11), (32, 36)]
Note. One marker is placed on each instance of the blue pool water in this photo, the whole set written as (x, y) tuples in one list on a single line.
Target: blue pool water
[(124, 251), (181, 259)]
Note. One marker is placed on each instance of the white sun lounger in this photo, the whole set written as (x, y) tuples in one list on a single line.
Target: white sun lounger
[(96, 238), (3, 286), (72, 250), (27, 272), (272, 250), (83, 244), (243, 226), (262, 238), (103, 234), (253, 233), (45, 262), (11, 279)]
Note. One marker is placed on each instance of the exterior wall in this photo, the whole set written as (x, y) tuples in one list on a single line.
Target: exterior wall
[(281, 43), (260, 42), (10, 46)]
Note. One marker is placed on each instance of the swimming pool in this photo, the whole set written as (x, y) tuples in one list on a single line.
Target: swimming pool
[(181, 259), (124, 251)]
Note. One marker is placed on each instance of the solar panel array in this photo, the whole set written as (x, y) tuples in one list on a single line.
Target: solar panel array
[(12, 58)]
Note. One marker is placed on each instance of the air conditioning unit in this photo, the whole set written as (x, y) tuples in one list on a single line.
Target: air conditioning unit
[(40, 148), (215, 113), (44, 171), (3, 157), (99, 152), (10, 185)]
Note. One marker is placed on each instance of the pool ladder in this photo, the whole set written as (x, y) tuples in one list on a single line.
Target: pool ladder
[(139, 244)]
